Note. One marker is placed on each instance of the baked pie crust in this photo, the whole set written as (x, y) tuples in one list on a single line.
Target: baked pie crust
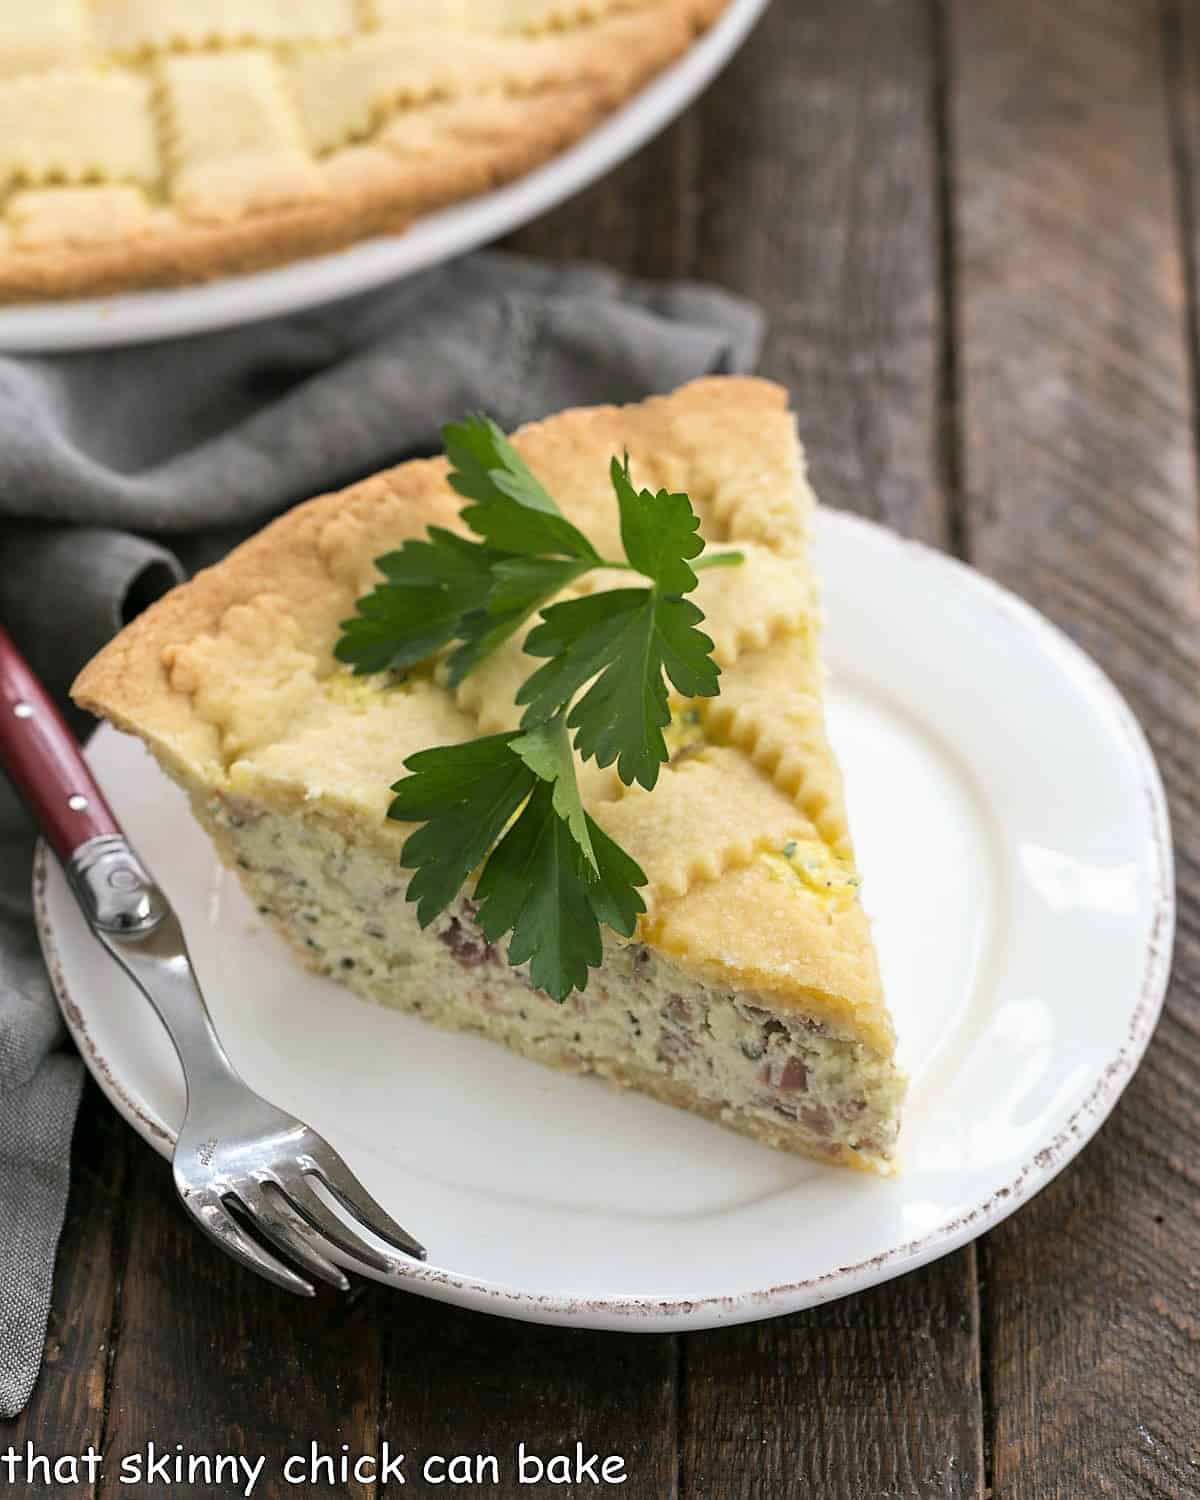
[(147, 142), (751, 991)]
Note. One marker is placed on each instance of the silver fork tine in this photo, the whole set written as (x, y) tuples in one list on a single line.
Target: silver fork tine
[(301, 1196), (332, 1171), (273, 1216), (214, 1218)]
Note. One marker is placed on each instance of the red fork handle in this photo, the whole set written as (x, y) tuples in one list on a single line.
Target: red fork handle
[(44, 761)]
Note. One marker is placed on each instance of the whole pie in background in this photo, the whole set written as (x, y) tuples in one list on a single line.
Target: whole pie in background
[(155, 142)]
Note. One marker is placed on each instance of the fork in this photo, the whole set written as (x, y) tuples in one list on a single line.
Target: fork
[(259, 1182)]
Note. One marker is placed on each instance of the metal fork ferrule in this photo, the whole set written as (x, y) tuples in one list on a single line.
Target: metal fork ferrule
[(113, 887)]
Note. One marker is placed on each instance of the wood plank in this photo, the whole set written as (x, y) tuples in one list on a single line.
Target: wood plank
[(641, 218), (819, 156), (1079, 466), (873, 1395), (68, 1409), (819, 170), (214, 1358), (466, 1382)]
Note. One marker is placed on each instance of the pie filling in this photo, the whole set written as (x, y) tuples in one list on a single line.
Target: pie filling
[(774, 1072)]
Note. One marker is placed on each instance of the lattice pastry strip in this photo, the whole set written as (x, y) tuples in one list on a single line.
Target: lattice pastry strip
[(667, 450), (428, 132), (251, 679), (718, 790), (756, 603), (784, 933), (738, 476), (138, 27), (343, 92), (350, 744), (529, 16), (48, 128), (489, 695), (38, 36), (78, 215), (425, 157), (487, 124), (764, 598), (770, 707), (234, 139), (474, 143)]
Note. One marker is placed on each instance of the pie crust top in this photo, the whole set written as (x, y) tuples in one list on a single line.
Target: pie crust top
[(155, 141), (232, 682)]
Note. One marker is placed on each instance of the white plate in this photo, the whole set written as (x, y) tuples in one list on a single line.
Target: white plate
[(134, 317), (1016, 853)]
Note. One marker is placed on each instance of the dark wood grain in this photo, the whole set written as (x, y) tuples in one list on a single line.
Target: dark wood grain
[(213, 1358), (874, 1395), (820, 193), (1079, 466), (68, 1410), (460, 1381), (818, 151), (641, 218)]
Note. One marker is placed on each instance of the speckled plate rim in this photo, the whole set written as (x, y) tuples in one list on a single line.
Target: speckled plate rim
[(137, 317), (657, 1314)]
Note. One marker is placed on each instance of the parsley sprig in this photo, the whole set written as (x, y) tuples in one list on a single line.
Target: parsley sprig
[(508, 804)]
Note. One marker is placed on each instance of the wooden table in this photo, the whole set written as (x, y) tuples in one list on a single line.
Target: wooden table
[(973, 226)]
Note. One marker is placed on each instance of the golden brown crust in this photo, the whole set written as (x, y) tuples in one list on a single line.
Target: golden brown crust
[(415, 161), (319, 556), (129, 681), (232, 683)]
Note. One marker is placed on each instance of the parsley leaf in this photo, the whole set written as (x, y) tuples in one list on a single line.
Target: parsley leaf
[(535, 884), (428, 587), (659, 532), (511, 509), (614, 896), (507, 805), (464, 795), (626, 639), (518, 586), (553, 876), (449, 588), (546, 750)]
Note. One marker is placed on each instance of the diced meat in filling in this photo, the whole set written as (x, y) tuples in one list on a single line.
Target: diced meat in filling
[(470, 949)]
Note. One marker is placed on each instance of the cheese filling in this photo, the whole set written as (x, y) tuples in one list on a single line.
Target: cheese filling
[(780, 1074)]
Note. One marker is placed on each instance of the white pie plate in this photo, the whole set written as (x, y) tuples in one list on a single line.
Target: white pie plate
[(1016, 853), (135, 317)]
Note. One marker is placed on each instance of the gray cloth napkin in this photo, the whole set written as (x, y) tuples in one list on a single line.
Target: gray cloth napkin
[(122, 470)]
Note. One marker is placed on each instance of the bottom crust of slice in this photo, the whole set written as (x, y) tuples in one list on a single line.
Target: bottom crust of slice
[(770, 1072)]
